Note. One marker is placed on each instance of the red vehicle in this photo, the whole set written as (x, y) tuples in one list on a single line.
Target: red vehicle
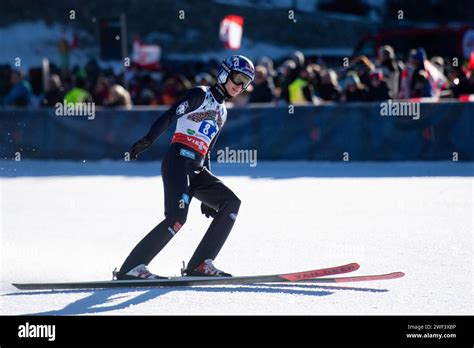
[(438, 41)]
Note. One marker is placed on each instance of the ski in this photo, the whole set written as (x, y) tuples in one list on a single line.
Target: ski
[(191, 281)]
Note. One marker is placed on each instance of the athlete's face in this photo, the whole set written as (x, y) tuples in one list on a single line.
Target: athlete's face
[(232, 88)]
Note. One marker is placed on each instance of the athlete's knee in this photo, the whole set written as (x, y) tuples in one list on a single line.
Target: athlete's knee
[(235, 203), (232, 204)]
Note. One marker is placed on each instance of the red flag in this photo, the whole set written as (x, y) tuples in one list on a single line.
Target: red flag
[(470, 64), (146, 56), (230, 31)]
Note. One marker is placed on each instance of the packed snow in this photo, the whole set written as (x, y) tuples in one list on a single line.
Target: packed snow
[(67, 221)]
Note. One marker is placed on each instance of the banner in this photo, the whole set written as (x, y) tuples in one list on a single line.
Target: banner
[(230, 32), (146, 56)]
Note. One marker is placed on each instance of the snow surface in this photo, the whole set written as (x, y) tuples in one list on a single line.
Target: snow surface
[(70, 223)]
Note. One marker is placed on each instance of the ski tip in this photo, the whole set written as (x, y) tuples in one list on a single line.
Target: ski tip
[(354, 265), (351, 267), (397, 274)]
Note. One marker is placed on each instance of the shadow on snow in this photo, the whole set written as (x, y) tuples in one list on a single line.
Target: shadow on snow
[(96, 301)]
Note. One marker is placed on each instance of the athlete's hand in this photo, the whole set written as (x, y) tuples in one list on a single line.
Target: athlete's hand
[(208, 211), (140, 146)]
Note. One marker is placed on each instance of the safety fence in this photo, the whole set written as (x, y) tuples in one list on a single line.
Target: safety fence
[(352, 131)]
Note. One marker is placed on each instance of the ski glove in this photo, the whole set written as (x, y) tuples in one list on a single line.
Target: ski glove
[(208, 211), (140, 146)]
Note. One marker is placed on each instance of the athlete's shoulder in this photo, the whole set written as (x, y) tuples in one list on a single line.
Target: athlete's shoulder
[(191, 101), (205, 89), (196, 93)]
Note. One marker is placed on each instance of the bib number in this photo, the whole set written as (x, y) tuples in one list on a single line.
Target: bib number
[(208, 129)]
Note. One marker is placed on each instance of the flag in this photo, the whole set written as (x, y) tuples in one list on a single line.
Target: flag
[(146, 56), (230, 32), (436, 79), (471, 61)]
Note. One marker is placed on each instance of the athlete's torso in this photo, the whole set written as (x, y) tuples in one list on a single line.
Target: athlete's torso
[(197, 128)]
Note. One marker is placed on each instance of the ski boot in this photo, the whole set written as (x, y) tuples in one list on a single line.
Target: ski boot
[(205, 269), (139, 272)]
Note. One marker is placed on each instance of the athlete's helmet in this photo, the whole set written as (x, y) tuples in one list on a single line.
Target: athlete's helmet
[(239, 68)]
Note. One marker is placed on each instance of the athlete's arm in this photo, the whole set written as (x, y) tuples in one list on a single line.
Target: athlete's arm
[(190, 102)]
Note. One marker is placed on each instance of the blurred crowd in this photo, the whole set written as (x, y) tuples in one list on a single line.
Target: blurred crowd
[(295, 80)]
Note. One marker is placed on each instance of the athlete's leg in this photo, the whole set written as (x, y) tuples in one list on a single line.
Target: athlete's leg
[(210, 190), (177, 198)]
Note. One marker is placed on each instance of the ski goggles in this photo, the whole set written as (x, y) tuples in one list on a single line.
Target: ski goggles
[(240, 79)]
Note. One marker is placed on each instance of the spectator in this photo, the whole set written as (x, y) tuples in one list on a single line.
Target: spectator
[(363, 67), (146, 90), (118, 96), (420, 85), (101, 91), (55, 93), (78, 94), (147, 97), (438, 62), (271, 72), (315, 76), (20, 93), (298, 79), (378, 89), (301, 90), (268, 64), (386, 61), (329, 89), (285, 77), (354, 90), (174, 87), (299, 59), (182, 85), (262, 92)]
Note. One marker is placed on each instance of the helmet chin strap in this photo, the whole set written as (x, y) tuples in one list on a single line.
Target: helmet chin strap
[(222, 91)]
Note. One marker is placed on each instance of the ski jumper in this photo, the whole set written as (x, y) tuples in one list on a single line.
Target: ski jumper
[(185, 170)]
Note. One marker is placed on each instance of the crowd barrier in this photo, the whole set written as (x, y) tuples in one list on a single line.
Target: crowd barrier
[(352, 132)]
